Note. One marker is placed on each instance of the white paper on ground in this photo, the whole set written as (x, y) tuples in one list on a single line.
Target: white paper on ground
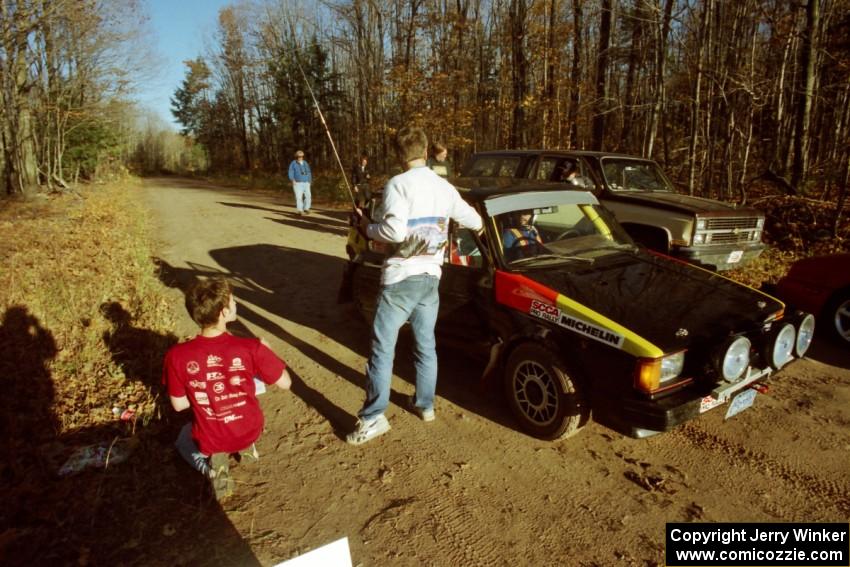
[(259, 386), (334, 554)]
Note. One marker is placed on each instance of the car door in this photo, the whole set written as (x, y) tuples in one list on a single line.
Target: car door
[(463, 288)]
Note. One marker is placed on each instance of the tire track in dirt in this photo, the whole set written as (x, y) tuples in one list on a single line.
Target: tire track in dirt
[(438, 521), (830, 493)]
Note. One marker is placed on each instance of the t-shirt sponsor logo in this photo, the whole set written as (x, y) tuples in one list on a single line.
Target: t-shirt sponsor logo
[(202, 398), (193, 367), (231, 418), (213, 360), (218, 387), (236, 364), (545, 311), (213, 376), (197, 384), (596, 333), (236, 380)]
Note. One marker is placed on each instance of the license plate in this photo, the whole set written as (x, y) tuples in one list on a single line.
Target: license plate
[(741, 402), (735, 256)]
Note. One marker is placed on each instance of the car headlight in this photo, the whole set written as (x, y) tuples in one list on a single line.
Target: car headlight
[(805, 334), (782, 345), (657, 373), (735, 359), (760, 222), (701, 224), (699, 238)]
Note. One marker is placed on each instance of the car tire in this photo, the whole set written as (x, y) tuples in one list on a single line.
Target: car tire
[(542, 394), (836, 317)]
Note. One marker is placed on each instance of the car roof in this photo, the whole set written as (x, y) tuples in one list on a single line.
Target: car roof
[(573, 153)]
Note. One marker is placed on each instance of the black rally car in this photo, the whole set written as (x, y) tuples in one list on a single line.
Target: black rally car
[(579, 320)]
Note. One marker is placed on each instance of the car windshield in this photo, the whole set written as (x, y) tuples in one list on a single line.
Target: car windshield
[(556, 227), (634, 175)]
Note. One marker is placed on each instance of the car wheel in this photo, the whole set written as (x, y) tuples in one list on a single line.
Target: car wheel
[(836, 317), (542, 394)]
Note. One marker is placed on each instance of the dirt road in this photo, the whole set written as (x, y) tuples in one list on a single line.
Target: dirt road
[(470, 488)]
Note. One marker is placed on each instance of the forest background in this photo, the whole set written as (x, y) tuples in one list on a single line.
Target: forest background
[(720, 93)]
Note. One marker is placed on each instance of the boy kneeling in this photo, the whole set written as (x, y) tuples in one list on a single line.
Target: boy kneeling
[(214, 375)]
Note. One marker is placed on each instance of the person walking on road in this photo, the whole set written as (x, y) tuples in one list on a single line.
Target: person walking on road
[(301, 177), (418, 204)]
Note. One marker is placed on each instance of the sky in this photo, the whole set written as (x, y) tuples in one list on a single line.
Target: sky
[(179, 30)]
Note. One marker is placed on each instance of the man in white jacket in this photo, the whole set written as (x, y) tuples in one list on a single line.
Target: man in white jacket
[(417, 207)]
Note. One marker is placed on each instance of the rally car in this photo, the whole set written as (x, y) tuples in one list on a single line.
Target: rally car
[(580, 321)]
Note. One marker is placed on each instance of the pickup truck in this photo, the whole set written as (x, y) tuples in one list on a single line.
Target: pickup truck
[(707, 232)]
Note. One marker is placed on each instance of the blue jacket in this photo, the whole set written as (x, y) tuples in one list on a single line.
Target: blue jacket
[(300, 172)]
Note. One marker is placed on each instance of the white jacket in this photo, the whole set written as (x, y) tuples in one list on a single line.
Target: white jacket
[(417, 207)]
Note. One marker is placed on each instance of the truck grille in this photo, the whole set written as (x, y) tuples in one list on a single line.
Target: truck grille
[(731, 230), (731, 223)]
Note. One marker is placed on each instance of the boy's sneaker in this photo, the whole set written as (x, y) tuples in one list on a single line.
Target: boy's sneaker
[(368, 430), (424, 414), (220, 475)]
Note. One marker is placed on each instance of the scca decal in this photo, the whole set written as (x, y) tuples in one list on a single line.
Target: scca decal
[(544, 311), (600, 334)]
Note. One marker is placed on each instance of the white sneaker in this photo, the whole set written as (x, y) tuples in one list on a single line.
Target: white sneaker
[(424, 414), (368, 430)]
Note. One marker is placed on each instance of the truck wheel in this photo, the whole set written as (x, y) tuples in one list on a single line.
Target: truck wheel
[(542, 394), (836, 317)]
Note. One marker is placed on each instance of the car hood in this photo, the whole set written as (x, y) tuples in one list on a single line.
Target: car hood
[(676, 202), (667, 303)]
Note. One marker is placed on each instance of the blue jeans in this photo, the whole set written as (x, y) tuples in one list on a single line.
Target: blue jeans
[(415, 299), (189, 450), (302, 193)]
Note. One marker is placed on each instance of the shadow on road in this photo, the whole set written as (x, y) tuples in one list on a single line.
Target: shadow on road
[(150, 509), (829, 352), (301, 286)]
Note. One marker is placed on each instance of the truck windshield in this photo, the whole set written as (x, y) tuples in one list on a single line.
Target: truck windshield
[(633, 175)]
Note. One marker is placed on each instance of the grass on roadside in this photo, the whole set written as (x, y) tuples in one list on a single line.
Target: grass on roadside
[(84, 321)]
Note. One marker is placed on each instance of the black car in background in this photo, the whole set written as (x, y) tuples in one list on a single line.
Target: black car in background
[(585, 323)]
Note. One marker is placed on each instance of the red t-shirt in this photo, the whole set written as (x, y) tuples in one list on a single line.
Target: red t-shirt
[(216, 374)]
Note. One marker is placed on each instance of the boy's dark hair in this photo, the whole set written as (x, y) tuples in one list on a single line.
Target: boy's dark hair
[(206, 298), (410, 143)]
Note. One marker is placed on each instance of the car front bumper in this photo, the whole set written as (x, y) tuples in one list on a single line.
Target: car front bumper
[(720, 257), (642, 417)]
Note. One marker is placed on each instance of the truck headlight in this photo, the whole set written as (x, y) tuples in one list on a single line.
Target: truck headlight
[(734, 358), (760, 222), (699, 238), (701, 224), (781, 346), (805, 334), (653, 374)]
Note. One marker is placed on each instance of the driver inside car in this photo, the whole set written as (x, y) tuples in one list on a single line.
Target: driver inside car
[(521, 238)]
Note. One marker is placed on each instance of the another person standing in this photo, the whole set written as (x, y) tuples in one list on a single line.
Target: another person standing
[(417, 207), (214, 374), (360, 177), (301, 177), (439, 160)]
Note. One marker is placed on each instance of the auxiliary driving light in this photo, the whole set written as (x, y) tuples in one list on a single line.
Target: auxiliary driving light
[(805, 334), (735, 359), (780, 348)]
